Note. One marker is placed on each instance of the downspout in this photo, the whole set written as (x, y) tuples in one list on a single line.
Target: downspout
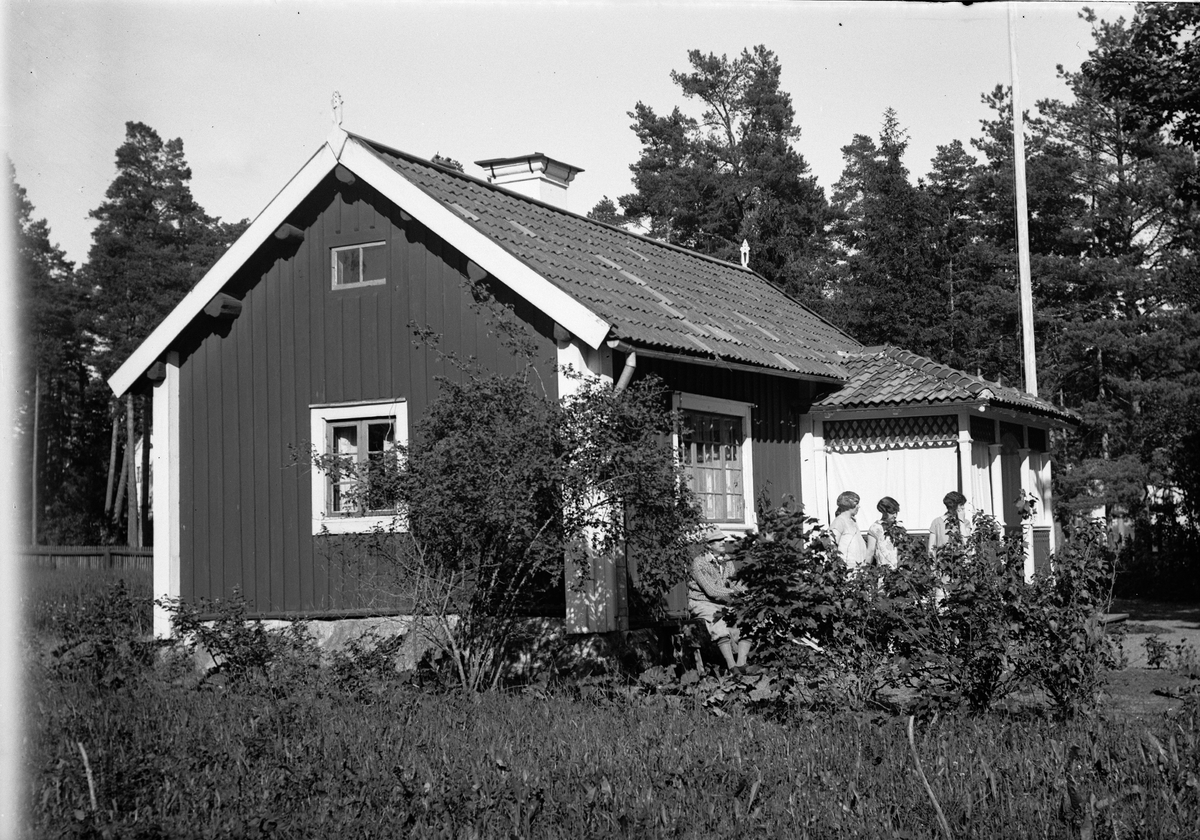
[(627, 371)]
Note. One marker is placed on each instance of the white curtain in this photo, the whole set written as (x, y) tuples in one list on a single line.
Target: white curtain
[(1039, 466), (981, 477), (916, 478)]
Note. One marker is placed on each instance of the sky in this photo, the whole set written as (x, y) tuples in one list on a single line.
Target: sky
[(247, 85)]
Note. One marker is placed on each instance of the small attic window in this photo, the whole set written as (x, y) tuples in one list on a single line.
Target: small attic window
[(364, 264)]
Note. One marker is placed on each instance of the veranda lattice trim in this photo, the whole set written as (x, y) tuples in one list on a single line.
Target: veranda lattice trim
[(870, 434)]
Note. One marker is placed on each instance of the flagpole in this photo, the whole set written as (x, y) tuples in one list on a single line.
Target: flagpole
[(1022, 211)]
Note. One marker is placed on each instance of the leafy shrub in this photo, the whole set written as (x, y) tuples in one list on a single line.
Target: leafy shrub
[(1070, 649), (962, 627), (105, 640), (366, 666), (1157, 651), (830, 637), (1187, 662), (52, 598), (501, 483), (984, 614), (244, 651)]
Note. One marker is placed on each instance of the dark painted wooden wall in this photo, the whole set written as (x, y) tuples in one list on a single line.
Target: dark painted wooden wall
[(246, 389), (777, 404)]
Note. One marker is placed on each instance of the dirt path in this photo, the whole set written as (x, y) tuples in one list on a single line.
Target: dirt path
[(1175, 624), (1139, 689)]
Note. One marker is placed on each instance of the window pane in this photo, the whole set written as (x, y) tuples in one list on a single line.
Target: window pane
[(349, 266), (342, 493), (714, 470), (381, 436), (374, 262), (345, 440), (381, 445), (360, 264)]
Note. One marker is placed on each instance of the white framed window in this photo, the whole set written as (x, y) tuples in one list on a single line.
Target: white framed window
[(362, 435), (362, 264), (715, 447)]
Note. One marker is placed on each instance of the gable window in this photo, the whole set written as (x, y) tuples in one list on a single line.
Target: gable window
[(356, 444), (715, 446), (364, 264)]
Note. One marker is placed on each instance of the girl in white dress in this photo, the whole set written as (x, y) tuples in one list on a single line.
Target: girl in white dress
[(845, 531), (880, 549)]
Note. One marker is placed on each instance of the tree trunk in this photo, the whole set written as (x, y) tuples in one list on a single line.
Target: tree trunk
[(131, 535), (112, 467), (143, 528), (33, 494), (118, 505)]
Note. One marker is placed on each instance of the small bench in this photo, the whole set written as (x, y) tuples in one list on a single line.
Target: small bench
[(690, 642)]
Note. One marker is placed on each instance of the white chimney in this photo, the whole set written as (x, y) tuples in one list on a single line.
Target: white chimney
[(535, 175)]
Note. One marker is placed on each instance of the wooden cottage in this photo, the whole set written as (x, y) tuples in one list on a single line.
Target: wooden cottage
[(301, 337)]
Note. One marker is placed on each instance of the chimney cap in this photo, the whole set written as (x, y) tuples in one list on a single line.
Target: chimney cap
[(535, 159), (534, 162), (537, 176)]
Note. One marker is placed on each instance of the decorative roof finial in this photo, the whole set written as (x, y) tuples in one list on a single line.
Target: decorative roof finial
[(337, 108), (745, 254)]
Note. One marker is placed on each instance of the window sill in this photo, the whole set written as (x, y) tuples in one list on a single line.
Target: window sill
[(358, 524), (341, 287)]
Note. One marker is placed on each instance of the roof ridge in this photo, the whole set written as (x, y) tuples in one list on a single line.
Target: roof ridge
[(636, 237), (938, 370)]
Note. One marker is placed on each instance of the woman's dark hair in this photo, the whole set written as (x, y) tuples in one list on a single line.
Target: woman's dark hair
[(846, 500), (954, 499), (889, 506)]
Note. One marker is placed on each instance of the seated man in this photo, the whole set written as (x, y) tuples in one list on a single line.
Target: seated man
[(711, 589)]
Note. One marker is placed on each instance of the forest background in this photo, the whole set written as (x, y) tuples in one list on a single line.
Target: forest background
[(923, 261)]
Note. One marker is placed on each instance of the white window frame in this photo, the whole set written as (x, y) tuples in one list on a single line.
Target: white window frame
[(333, 264), (320, 416), (731, 408)]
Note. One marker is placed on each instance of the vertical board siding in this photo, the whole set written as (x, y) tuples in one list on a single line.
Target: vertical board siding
[(193, 473), (418, 380), (248, 444), (289, 520), (250, 330), (274, 452), (229, 450), (214, 529), (310, 387), (247, 386)]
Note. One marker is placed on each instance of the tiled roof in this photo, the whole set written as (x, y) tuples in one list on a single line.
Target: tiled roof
[(654, 295), (889, 376)]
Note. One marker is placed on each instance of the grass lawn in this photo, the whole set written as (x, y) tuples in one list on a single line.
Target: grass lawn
[(297, 751)]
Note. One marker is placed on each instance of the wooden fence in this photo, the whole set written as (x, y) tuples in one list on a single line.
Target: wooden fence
[(88, 557)]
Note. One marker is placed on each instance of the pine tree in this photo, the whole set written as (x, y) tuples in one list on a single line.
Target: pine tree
[(60, 408), (1131, 327), (734, 173), (885, 289), (152, 244)]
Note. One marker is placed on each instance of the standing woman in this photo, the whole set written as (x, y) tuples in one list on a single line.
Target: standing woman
[(845, 530), (950, 525), (880, 549)]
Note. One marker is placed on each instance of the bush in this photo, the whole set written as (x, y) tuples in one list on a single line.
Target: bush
[(959, 628), (244, 652), (105, 641), (984, 615), (1070, 648), (501, 483)]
